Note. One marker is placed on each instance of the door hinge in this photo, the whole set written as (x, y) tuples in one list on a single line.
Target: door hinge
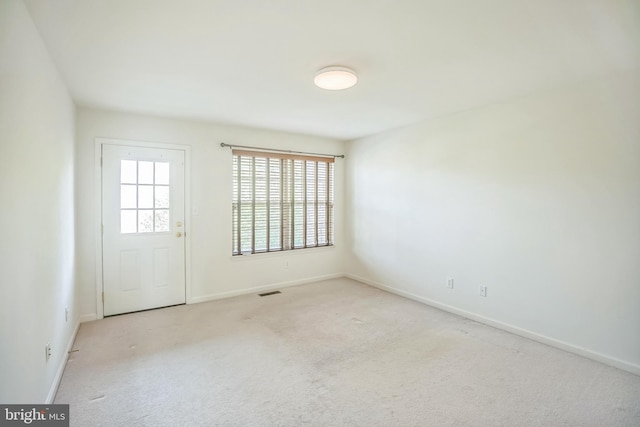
[(103, 297), (102, 229)]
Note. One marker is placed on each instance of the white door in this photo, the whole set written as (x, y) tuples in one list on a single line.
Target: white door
[(143, 244)]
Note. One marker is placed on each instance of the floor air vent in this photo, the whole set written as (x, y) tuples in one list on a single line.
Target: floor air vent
[(266, 294)]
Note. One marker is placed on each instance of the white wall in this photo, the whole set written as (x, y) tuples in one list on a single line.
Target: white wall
[(37, 269), (214, 272), (537, 198)]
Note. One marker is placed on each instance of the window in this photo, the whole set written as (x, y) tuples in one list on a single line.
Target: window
[(281, 202), (144, 197)]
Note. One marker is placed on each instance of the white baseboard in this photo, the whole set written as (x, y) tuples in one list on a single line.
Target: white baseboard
[(562, 345), (56, 380), (88, 317), (230, 294)]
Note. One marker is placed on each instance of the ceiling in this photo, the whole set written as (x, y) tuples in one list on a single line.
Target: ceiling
[(252, 62)]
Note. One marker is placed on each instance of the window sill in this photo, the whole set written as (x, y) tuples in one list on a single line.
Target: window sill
[(280, 254)]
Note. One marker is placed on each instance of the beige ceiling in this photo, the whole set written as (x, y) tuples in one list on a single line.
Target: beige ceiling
[(252, 62)]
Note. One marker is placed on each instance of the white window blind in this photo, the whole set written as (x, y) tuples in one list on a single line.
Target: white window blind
[(281, 202)]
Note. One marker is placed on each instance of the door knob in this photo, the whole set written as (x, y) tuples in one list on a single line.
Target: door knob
[(179, 234)]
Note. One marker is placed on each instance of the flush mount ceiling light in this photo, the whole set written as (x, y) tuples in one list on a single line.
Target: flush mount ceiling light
[(335, 78)]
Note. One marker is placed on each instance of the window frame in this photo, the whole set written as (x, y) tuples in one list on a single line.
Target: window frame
[(136, 183), (286, 182)]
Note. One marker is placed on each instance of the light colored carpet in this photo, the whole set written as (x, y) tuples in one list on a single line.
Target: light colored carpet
[(333, 353)]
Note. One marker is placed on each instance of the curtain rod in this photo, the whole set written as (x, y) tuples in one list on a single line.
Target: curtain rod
[(222, 144)]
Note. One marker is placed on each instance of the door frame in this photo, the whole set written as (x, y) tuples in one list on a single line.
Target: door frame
[(99, 142)]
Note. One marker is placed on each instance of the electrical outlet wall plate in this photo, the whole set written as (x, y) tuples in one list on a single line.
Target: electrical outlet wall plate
[(483, 291), (450, 282)]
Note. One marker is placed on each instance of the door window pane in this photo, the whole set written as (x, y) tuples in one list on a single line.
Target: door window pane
[(162, 220), (145, 221), (162, 196), (162, 173), (127, 196), (128, 171), (145, 172), (145, 197), (128, 221)]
